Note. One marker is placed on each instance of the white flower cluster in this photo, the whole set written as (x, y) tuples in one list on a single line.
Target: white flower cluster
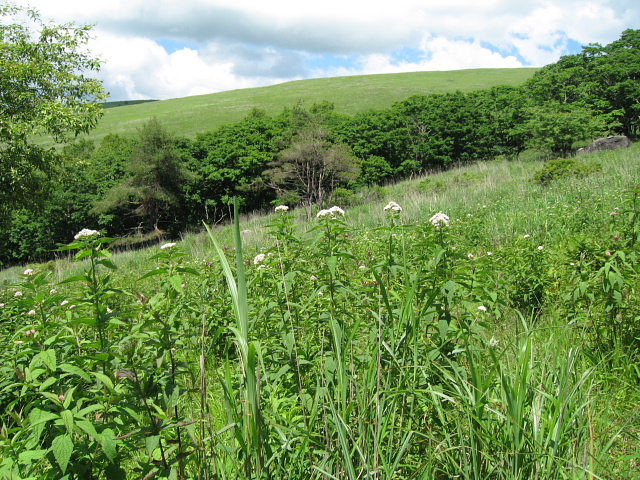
[(258, 259), (331, 212), (282, 208), (168, 245), (86, 234), (439, 219), (392, 207), (28, 272)]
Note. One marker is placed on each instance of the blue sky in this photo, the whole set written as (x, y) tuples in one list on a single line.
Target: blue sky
[(166, 49)]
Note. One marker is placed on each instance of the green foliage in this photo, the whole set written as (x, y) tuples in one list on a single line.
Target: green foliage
[(312, 167), (554, 128), (603, 79), (364, 343), (564, 167), (43, 91), (154, 181)]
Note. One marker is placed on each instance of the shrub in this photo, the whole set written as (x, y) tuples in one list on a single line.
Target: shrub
[(342, 196), (564, 167)]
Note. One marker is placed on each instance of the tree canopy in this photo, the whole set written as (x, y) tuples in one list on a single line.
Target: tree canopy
[(43, 91)]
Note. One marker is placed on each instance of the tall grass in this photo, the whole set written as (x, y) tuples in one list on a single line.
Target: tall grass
[(370, 345)]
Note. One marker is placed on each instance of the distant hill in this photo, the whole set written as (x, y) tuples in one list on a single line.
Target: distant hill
[(122, 103), (189, 116)]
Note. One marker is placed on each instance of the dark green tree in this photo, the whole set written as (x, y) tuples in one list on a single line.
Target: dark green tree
[(43, 91), (230, 162), (152, 191), (555, 127), (605, 79), (312, 167)]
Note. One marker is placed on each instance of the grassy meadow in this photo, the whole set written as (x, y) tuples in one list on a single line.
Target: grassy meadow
[(498, 340), (189, 116)]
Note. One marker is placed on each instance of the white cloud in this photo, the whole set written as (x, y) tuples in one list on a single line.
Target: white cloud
[(228, 44)]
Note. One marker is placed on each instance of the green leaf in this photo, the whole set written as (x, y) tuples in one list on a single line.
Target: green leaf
[(62, 447), (151, 442), (104, 379), (29, 456), (73, 370), (48, 358), (84, 321), (87, 427), (176, 283), (77, 278), (157, 271), (189, 270), (67, 419), (108, 444), (37, 416), (105, 262)]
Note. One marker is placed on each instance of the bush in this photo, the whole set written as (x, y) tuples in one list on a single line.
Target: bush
[(564, 167), (342, 196), (429, 185)]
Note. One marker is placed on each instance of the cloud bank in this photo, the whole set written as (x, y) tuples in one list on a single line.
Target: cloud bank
[(165, 49)]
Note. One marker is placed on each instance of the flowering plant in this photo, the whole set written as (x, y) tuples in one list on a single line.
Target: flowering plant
[(332, 212), (439, 219), (392, 207)]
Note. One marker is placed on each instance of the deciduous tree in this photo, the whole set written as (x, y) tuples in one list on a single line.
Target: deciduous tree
[(312, 166), (43, 91), (152, 189)]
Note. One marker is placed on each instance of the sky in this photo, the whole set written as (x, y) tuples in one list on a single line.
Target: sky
[(159, 49)]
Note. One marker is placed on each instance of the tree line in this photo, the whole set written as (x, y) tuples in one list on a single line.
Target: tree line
[(154, 181)]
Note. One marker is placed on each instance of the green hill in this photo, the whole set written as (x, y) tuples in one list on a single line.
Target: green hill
[(354, 94)]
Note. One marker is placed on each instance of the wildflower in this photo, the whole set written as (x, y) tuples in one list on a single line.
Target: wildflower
[(439, 219), (168, 245), (489, 253), (482, 308), (17, 294), (320, 292), (470, 255), (541, 247), (64, 302), (392, 207), (614, 213), (31, 312), (313, 278), (332, 212), (258, 259), (1, 305), (262, 266), (282, 208), (362, 267), (19, 342), (109, 310), (527, 236), (493, 343), (53, 291), (86, 234), (30, 332), (28, 272), (609, 254)]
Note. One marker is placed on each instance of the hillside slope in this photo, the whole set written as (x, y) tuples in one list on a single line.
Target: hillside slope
[(191, 115)]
